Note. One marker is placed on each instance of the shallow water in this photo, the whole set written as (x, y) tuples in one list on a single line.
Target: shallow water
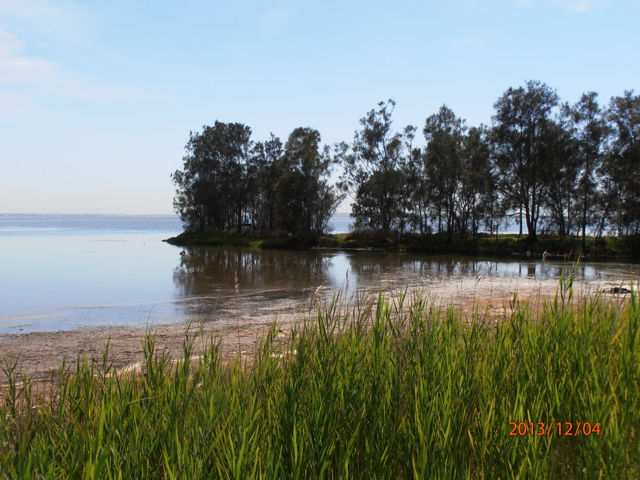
[(64, 272)]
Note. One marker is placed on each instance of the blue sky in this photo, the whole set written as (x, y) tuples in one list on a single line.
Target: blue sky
[(97, 99)]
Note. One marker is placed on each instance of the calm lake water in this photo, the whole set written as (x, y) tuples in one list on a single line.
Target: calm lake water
[(60, 272)]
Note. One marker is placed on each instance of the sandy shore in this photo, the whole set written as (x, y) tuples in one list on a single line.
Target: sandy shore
[(37, 354)]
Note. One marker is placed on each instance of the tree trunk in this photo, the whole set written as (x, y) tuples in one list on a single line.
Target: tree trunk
[(520, 234)]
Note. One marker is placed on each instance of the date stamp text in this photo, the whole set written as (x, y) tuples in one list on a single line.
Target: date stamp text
[(554, 428)]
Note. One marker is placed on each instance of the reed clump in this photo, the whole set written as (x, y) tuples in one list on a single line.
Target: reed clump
[(377, 387)]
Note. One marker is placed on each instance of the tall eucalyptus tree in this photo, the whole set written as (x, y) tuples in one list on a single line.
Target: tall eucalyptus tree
[(373, 166), (445, 136), (560, 193), (305, 201), (522, 128), (212, 187), (476, 181), (265, 167), (589, 132), (624, 160)]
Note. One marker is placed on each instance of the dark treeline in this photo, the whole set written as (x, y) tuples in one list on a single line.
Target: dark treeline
[(230, 182), (547, 165)]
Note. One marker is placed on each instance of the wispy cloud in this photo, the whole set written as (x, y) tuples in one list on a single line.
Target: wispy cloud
[(578, 5), (32, 73), (47, 24), (575, 5), (18, 103), (16, 69), (62, 19)]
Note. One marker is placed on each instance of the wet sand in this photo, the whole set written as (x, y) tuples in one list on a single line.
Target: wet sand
[(38, 354)]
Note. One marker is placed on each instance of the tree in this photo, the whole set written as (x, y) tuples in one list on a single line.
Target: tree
[(445, 134), (494, 206), (476, 181), (562, 180), (416, 186), (211, 188), (522, 127), (411, 185), (305, 201), (373, 170), (265, 171), (624, 160), (589, 132)]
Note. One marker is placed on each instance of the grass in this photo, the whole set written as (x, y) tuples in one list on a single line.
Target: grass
[(280, 241), (376, 387), (627, 247), (504, 245)]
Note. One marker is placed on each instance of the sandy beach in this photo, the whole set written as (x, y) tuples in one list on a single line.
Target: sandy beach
[(38, 354)]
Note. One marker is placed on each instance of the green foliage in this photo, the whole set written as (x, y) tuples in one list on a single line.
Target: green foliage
[(282, 241), (501, 246), (372, 388), (212, 187), (589, 131), (305, 202), (444, 165), (567, 169), (524, 136), (374, 170), (459, 174), (623, 166), (229, 182)]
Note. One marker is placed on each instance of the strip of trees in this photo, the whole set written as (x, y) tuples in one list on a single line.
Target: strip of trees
[(548, 166), (229, 182)]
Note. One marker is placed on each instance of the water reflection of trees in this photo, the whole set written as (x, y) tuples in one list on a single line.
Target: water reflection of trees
[(403, 267), (556, 270), (280, 279), (206, 270)]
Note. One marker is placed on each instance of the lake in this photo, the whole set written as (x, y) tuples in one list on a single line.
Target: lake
[(62, 272)]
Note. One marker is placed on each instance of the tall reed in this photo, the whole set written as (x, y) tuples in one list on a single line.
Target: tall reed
[(375, 387)]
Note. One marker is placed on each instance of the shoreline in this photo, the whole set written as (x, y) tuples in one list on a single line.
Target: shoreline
[(621, 249), (39, 353), (417, 362)]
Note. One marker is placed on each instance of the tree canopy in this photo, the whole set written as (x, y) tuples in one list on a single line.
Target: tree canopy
[(547, 165), (230, 182)]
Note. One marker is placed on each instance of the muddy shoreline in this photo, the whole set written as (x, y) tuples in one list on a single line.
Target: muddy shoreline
[(38, 354)]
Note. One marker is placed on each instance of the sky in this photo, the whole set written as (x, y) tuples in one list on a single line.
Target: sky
[(97, 99)]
